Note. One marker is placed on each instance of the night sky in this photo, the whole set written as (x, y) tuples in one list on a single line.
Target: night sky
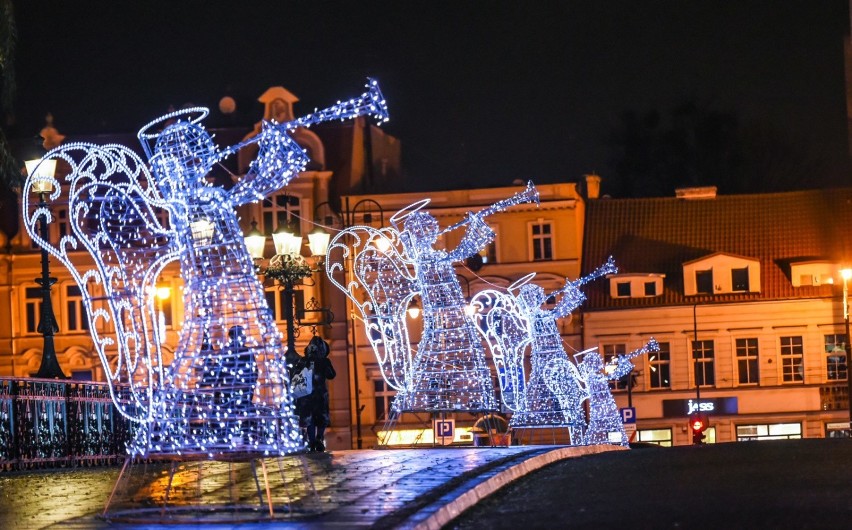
[(480, 92)]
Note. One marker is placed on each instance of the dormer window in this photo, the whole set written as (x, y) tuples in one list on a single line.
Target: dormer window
[(633, 285), (806, 273), (721, 273)]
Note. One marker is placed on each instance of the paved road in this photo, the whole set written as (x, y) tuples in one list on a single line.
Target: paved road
[(375, 488), (769, 484)]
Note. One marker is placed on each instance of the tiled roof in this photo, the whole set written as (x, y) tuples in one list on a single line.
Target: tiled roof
[(658, 235)]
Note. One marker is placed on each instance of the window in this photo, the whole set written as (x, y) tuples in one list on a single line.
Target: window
[(62, 222), (622, 288), (611, 351), (776, 431), (792, 359), (275, 301), (33, 308), (835, 357), (739, 279), (542, 241), (75, 312), (660, 367), (662, 437), (384, 398), (650, 288), (703, 356), (489, 253), (279, 211), (704, 282), (747, 361)]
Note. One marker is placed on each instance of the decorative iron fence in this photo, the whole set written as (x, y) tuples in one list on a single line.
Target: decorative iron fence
[(52, 423)]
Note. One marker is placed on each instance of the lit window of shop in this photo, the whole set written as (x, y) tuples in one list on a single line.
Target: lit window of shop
[(792, 359), (661, 437), (772, 431)]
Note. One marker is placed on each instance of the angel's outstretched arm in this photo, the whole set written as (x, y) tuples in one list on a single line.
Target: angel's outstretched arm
[(477, 236), (278, 161)]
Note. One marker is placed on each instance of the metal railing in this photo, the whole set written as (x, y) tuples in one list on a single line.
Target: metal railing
[(52, 423)]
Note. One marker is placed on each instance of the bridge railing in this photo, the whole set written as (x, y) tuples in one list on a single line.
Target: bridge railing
[(52, 423)]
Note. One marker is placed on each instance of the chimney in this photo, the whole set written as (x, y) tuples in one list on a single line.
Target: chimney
[(702, 192), (593, 186)]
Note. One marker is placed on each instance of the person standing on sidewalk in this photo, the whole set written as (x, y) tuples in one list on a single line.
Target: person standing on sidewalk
[(313, 409)]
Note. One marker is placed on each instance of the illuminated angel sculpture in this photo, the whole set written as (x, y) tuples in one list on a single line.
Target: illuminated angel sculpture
[(554, 394), (446, 371), (605, 424), (226, 390)]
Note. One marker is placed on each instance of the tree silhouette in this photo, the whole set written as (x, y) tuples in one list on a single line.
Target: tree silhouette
[(698, 146), (10, 174)]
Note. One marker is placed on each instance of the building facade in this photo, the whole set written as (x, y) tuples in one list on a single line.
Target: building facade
[(746, 298)]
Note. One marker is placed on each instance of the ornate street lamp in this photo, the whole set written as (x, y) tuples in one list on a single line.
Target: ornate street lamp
[(42, 172), (287, 267)]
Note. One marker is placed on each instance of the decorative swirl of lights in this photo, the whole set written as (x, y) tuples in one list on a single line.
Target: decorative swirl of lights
[(226, 391)]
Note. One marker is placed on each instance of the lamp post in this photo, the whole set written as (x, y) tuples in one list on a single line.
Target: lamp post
[(288, 268), (42, 172), (367, 207), (847, 274)]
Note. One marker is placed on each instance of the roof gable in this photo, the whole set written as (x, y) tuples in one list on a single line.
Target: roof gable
[(660, 235)]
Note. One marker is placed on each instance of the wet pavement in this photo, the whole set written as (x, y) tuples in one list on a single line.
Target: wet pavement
[(391, 488)]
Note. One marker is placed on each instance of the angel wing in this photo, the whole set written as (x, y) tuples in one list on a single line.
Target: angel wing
[(381, 284), (501, 324), (112, 208)]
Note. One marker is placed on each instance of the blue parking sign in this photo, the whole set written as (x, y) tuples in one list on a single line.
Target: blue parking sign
[(628, 414), (445, 431)]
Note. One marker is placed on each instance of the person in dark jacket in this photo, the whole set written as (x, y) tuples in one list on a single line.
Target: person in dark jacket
[(313, 409)]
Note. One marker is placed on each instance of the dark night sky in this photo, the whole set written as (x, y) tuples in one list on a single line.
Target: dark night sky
[(480, 92)]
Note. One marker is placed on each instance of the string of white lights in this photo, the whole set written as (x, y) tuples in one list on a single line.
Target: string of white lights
[(226, 390)]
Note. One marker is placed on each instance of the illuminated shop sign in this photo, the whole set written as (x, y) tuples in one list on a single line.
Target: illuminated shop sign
[(678, 408)]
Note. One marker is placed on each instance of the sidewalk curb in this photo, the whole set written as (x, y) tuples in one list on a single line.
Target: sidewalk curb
[(441, 513)]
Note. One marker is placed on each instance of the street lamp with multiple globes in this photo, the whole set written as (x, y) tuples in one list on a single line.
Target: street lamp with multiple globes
[(42, 172), (287, 267), (847, 274)]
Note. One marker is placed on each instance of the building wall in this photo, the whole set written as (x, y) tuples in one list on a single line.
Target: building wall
[(770, 401)]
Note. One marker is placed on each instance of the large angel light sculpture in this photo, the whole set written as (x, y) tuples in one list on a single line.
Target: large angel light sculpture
[(514, 320), (446, 371), (226, 390)]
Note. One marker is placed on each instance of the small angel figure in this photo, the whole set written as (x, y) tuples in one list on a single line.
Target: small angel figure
[(604, 417), (554, 394)]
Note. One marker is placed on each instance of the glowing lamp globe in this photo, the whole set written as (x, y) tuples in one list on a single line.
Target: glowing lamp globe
[(42, 172)]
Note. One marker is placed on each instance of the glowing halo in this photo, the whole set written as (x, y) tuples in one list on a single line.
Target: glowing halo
[(408, 210), (520, 282)]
